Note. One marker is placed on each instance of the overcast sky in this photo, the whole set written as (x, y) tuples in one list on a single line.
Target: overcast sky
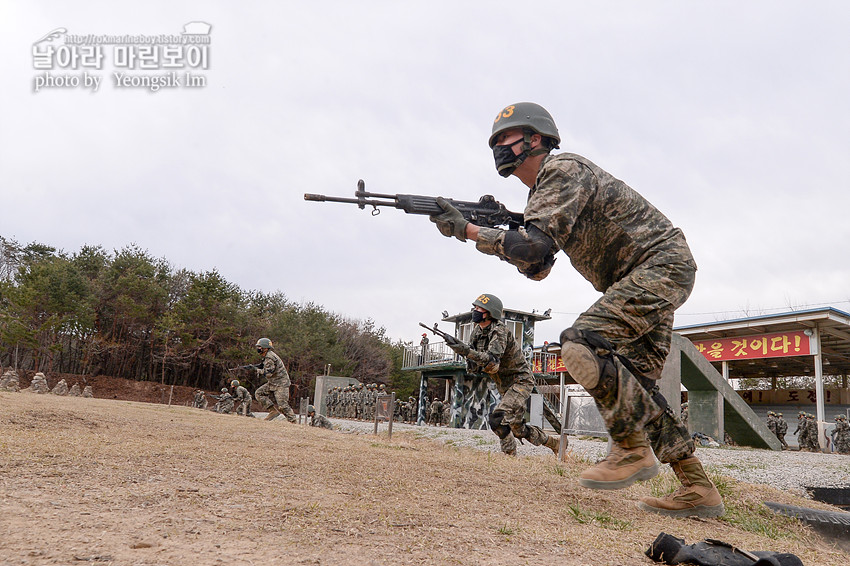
[(733, 118)]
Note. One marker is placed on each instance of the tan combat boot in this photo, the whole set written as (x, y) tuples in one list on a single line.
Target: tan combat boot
[(697, 496), (273, 413), (630, 460), (553, 443)]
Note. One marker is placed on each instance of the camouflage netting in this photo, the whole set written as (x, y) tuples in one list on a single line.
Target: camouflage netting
[(61, 388), (75, 390), (10, 381), (87, 391), (38, 385)]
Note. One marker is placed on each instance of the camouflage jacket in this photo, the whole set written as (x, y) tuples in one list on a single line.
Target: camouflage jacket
[(320, 421), (494, 351), (273, 370), (241, 394), (605, 227)]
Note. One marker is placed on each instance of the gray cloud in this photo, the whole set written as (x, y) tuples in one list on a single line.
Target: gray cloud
[(731, 118)]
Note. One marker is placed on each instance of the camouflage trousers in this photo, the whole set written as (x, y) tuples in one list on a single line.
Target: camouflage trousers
[(244, 408), (513, 404), (636, 316), (276, 395)]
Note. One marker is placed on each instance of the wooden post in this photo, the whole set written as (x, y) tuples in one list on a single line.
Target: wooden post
[(170, 395)]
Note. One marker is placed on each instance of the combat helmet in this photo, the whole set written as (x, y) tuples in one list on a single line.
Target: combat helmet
[(311, 409), (234, 383), (264, 343), (224, 389), (490, 303), (526, 115)]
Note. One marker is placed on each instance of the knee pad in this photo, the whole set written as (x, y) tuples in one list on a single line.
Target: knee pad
[(502, 430), (580, 353)]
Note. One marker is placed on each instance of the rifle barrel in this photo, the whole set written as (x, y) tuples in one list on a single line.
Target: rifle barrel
[(358, 201)]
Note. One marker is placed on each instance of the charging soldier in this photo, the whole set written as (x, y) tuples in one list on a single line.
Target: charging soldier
[(630, 252), (274, 393), (494, 351), (242, 397)]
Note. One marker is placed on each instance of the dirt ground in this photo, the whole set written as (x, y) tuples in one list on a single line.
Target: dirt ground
[(104, 481)]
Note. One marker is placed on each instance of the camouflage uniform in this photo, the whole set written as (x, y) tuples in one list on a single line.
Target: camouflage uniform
[(275, 392), (812, 433), (629, 251), (199, 401), (320, 421), (801, 431), (781, 430), (436, 410), (243, 397), (225, 403), (494, 351), (841, 435), (771, 421), (360, 402)]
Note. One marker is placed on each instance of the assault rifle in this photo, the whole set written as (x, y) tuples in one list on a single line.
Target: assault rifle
[(486, 212), (445, 336)]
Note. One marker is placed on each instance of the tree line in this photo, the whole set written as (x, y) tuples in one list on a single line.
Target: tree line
[(128, 314)]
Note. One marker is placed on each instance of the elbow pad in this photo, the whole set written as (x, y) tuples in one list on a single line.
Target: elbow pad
[(531, 250)]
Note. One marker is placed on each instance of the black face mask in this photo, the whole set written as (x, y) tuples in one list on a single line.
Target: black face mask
[(506, 160), (259, 350), (477, 316)]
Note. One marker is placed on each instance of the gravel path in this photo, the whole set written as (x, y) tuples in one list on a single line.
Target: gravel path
[(788, 471)]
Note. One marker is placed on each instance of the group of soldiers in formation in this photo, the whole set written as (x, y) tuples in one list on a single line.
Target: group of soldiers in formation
[(807, 432), (358, 401)]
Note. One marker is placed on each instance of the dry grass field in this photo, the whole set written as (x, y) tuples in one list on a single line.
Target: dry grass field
[(97, 481)]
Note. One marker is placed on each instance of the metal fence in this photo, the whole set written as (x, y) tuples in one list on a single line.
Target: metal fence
[(434, 354)]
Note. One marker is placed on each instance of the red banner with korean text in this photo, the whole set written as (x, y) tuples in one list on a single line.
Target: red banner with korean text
[(551, 363), (775, 345)]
